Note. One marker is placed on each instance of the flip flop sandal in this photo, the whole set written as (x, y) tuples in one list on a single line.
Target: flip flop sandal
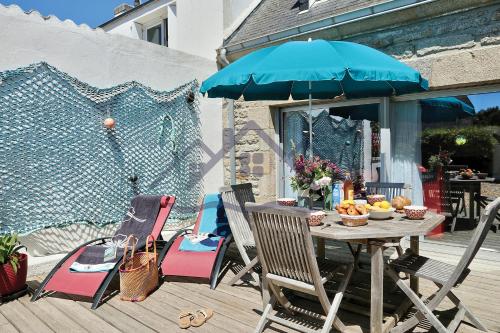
[(201, 316), (185, 318)]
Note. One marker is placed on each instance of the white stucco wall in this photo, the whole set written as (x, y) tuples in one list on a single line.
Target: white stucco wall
[(133, 24), (102, 60), (194, 26), (199, 27)]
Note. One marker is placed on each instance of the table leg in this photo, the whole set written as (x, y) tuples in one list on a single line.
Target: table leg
[(320, 248), (377, 289), (415, 248)]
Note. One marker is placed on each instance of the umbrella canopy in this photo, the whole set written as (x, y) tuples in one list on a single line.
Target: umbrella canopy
[(441, 109), (317, 69)]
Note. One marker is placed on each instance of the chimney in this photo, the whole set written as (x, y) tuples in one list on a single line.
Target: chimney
[(137, 3), (120, 9)]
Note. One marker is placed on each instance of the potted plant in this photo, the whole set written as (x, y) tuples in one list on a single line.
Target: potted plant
[(314, 175), (13, 265)]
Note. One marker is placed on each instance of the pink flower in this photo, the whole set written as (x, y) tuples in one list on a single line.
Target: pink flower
[(325, 181), (315, 185)]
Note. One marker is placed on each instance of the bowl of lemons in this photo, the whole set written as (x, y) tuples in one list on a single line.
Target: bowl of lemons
[(380, 210)]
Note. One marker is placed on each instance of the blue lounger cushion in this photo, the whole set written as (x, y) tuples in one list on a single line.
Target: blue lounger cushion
[(213, 220)]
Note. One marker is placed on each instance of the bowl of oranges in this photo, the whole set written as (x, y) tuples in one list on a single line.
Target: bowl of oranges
[(381, 210), (352, 214)]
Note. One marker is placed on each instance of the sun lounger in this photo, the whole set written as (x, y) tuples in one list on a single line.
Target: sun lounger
[(192, 260), (94, 284)]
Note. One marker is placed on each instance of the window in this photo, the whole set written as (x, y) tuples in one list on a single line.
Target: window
[(303, 5), (165, 24), (154, 34)]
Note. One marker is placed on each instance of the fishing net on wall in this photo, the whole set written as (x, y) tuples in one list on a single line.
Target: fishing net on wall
[(59, 165), (337, 139)]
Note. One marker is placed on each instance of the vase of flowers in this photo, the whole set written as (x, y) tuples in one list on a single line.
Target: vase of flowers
[(313, 176)]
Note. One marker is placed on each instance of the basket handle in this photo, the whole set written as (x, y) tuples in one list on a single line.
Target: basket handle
[(147, 248), (126, 247)]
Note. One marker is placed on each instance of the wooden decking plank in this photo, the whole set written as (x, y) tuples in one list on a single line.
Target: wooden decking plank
[(120, 320), (5, 325), (22, 318), (176, 304), (225, 304), (247, 317), (159, 303), (240, 292), (82, 315), (56, 319), (145, 316), (219, 319)]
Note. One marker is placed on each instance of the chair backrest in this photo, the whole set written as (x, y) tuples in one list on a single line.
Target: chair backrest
[(284, 243), (146, 215), (234, 198), (478, 237), (166, 204), (212, 217), (450, 193), (390, 190)]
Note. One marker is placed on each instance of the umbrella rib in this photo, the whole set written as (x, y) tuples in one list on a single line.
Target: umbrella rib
[(393, 89)]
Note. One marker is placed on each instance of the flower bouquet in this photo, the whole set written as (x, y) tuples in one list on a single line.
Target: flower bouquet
[(313, 176)]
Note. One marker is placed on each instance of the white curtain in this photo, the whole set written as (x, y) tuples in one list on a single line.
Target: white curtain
[(367, 151), (406, 127)]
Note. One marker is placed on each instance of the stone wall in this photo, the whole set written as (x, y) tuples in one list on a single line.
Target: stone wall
[(454, 50), (254, 146)]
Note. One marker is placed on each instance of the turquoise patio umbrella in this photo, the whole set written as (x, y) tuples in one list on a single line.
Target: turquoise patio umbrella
[(316, 69), (439, 109)]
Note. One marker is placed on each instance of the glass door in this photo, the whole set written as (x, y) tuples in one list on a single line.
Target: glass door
[(345, 134)]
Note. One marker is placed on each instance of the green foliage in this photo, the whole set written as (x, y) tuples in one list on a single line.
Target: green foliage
[(488, 117), (479, 142), (9, 247)]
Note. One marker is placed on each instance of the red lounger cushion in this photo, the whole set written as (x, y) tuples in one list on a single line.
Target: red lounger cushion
[(187, 263)]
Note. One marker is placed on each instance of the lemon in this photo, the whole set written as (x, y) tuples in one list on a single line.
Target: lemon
[(385, 205), (377, 204)]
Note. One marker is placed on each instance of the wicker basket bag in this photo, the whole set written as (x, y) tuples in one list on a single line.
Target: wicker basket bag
[(138, 273)]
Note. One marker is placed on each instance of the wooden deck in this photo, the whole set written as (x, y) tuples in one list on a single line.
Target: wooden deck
[(462, 235), (237, 309)]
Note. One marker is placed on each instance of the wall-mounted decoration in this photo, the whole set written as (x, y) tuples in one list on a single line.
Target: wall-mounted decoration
[(109, 123), (60, 164)]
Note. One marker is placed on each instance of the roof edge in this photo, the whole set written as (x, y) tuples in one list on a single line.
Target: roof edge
[(116, 18), (36, 15), (228, 32), (325, 23)]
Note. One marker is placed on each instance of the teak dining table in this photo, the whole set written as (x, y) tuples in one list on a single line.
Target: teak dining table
[(377, 235)]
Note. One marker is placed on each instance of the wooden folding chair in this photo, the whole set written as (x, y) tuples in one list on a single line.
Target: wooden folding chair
[(286, 252), (234, 198), (445, 276), (483, 201)]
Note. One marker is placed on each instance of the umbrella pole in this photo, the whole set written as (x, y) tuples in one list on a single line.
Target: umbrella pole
[(310, 125)]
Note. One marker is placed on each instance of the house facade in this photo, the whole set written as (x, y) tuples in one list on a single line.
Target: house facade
[(194, 27), (454, 44)]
